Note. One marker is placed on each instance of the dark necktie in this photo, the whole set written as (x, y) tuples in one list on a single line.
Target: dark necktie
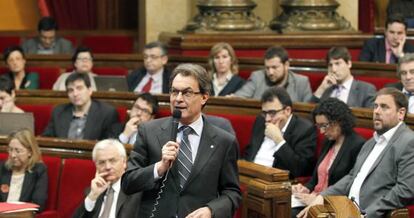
[(147, 86), (393, 59), (185, 160), (408, 94), (108, 203)]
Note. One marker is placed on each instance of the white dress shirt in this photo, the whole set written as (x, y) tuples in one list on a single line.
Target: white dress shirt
[(89, 204), (265, 154), (156, 86), (128, 140), (381, 143), (410, 101)]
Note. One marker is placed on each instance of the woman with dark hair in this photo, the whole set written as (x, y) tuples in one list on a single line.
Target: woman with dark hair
[(340, 149), (223, 66), (7, 96), (16, 63), (23, 177)]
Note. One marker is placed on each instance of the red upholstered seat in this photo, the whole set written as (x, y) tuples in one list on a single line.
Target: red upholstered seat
[(122, 114), (47, 75), (378, 82), (110, 44), (116, 71), (53, 168), (41, 113), (3, 156), (76, 176), (364, 132), (411, 211), (6, 41), (315, 78)]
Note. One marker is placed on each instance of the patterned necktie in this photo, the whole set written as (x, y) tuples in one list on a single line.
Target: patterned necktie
[(185, 160), (108, 203), (338, 91), (147, 86), (393, 59)]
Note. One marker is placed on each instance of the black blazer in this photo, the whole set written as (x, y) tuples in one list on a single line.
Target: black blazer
[(213, 181), (127, 206), (101, 117), (34, 185), (374, 50), (343, 162), (297, 155), (235, 83), (135, 77)]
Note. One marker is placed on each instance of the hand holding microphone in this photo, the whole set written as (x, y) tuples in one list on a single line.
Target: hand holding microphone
[(170, 150)]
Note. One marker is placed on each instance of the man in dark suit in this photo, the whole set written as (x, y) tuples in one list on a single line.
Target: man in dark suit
[(382, 177), (82, 118), (405, 71), (197, 177), (105, 199), (281, 139), (392, 46), (154, 77), (339, 82)]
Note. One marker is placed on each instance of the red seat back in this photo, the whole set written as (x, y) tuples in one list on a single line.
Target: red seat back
[(3, 156), (315, 79), (122, 114), (53, 168), (364, 132), (76, 176), (110, 44), (411, 211), (7, 41), (47, 75), (41, 113), (378, 82)]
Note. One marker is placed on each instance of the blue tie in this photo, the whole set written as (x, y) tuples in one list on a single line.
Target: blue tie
[(185, 160)]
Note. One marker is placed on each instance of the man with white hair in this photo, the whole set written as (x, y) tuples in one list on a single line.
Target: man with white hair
[(105, 198)]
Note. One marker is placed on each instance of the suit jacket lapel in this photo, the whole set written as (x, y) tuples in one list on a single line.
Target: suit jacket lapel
[(353, 94), (345, 146), (206, 148), (230, 85), (66, 118), (121, 199), (91, 121)]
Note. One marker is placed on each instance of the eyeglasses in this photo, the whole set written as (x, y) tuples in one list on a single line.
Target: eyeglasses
[(16, 151), (152, 57), (322, 126), (84, 59), (186, 93), (111, 162), (142, 110), (272, 113)]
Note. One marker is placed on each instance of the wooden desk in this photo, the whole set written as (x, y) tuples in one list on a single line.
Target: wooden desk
[(21, 214)]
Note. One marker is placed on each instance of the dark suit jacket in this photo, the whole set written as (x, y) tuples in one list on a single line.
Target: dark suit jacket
[(135, 77), (374, 50), (388, 184), (101, 117), (127, 206), (213, 181), (344, 160), (297, 155), (235, 83), (34, 187), (362, 94)]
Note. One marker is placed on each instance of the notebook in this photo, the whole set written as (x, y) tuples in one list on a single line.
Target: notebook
[(111, 83), (10, 122)]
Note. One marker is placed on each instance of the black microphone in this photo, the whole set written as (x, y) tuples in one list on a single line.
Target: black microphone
[(176, 118)]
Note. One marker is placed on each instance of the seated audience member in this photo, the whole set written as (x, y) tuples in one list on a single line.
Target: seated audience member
[(82, 118), (223, 66), (16, 64), (405, 72), (47, 42), (339, 82), (276, 74), (7, 96), (105, 197), (340, 149), (390, 48), (281, 139), (144, 109), (382, 177), (153, 77), (23, 177), (82, 60)]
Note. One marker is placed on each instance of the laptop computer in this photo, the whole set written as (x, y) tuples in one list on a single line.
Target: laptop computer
[(111, 83), (10, 122)]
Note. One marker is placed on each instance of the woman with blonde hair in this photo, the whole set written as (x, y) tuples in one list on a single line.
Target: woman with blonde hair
[(23, 177), (223, 67)]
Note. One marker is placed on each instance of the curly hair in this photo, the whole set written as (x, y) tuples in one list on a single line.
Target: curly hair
[(336, 111)]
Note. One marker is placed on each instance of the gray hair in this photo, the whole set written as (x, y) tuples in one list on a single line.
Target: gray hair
[(102, 145), (408, 57), (197, 72)]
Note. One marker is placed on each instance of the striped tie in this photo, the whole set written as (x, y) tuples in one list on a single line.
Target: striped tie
[(185, 160)]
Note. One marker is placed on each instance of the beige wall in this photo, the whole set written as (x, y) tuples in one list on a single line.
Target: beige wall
[(173, 16), (19, 14)]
